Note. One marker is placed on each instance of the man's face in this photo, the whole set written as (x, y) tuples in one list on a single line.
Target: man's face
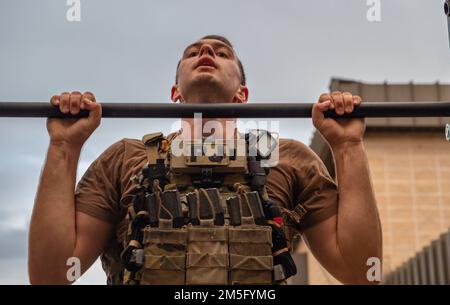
[(209, 67)]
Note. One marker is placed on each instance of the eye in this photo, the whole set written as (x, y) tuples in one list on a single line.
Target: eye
[(192, 54), (222, 54)]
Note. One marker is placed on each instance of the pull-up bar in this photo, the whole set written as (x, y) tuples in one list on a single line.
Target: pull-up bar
[(232, 110)]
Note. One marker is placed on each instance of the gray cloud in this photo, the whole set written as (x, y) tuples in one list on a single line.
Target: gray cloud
[(13, 244), (127, 51)]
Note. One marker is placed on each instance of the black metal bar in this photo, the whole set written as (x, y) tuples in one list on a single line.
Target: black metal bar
[(232, 110)]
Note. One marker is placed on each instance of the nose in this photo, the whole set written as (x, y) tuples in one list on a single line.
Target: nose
[(206, 49)]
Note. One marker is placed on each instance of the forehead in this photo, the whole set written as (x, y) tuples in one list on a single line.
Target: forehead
[(213, 42)]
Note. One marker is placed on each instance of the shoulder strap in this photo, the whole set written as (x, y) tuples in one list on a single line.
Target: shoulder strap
[(156, 146)]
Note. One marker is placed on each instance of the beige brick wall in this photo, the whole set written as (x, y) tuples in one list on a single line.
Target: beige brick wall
[(411, 178)]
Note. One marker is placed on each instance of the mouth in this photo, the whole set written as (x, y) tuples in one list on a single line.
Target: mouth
[(206, 61)]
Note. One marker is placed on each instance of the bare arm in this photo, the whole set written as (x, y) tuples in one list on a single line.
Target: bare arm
[(344, 242), (57, 232)]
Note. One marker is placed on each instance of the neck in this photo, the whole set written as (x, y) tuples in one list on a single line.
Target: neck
[(209, 93)]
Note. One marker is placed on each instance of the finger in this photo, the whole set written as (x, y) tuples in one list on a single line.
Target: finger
[(324, 106), (75, 101), (317, 112), (326, 97), (338, 100), (356, 100), (84, 101), (55, 100), (87, 95), (90, 96), (348, 102), (95, 112), (64, 102)]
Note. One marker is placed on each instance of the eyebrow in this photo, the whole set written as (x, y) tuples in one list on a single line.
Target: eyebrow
[(214, 44)]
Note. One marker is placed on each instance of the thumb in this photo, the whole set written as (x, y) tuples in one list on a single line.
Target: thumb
[(317, 112)]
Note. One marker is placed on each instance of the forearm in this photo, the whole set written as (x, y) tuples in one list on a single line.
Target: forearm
[(358, 230), (52, 236)]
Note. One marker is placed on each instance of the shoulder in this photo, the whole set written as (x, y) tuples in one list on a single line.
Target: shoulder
[(132, 143), (112, 152), (296, 150), (119, 150)]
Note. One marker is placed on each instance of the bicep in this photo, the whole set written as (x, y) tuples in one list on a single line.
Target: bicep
[(92, 238)]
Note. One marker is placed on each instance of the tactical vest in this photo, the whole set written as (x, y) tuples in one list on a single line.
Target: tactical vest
[(201, 219)]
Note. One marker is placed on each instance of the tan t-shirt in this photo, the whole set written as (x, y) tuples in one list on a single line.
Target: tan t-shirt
[(299, 178)]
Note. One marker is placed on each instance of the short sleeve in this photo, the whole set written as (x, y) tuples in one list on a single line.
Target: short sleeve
[(314, 189), (98, 192)]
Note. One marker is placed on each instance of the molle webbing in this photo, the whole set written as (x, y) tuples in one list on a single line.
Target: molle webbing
[(195, 233), (165, 256)]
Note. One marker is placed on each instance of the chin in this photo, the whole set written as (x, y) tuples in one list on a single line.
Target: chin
[(205, 77), (206, 81)]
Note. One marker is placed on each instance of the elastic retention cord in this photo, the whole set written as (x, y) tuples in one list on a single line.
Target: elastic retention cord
[(135, 243), (281, 251)]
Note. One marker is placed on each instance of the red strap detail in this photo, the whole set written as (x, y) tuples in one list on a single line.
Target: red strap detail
[(278, 220)]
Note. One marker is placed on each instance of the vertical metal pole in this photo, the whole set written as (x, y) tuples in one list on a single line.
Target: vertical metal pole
[(445, 239), (402, 271), (397, 276), (423, 268), (409, 272), (416, 270), (431, 265), (439, 261)]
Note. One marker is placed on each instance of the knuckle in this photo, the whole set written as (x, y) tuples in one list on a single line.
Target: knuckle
[(89, 95), (339, 102), (75, 101), (348, 98), (64, 98)]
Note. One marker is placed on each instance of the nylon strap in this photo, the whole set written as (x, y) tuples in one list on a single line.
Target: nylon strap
[(156, 146), (282, 250)]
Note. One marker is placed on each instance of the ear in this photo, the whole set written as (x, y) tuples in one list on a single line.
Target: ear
[(242, 95), (175, 94)]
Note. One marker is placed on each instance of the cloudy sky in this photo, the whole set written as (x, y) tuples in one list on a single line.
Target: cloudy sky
[(126, 51)]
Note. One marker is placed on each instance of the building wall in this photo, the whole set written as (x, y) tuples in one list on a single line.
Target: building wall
[(411, 178), (410, 173)]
